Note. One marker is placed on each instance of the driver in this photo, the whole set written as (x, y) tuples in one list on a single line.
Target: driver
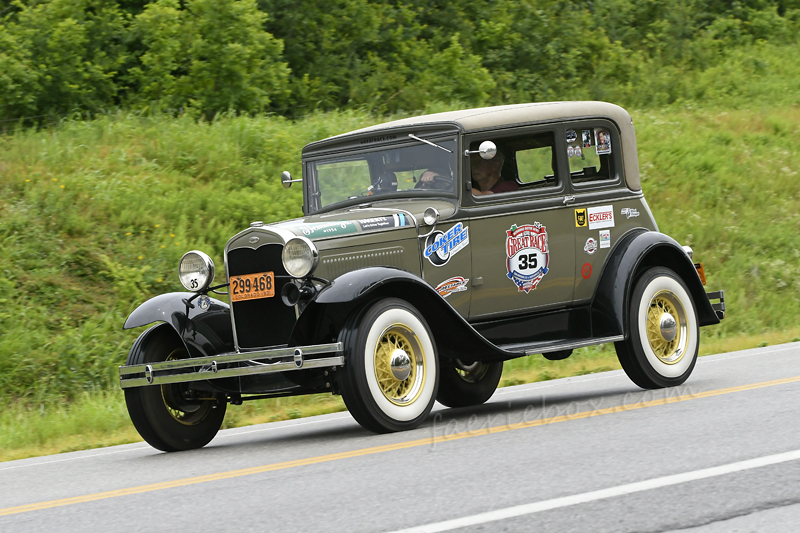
[(435, 178)]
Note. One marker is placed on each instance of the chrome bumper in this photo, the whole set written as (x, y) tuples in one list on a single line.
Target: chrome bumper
[(214, 367)]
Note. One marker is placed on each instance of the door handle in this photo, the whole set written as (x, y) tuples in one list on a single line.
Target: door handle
[(568, 199)]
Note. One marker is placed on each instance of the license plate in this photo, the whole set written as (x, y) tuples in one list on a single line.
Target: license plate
[(252, 286)]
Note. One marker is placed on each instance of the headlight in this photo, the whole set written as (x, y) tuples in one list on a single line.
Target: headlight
[(300, 257), (196, 271)]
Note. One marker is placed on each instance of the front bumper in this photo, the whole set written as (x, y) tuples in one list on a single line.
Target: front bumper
[(229, 365)]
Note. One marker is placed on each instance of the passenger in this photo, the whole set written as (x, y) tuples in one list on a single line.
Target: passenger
[(486, 175)]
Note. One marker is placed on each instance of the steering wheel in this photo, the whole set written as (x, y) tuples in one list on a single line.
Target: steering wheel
[(439, 182)]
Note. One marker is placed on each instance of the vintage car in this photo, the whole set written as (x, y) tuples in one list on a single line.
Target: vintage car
[(431, 250)]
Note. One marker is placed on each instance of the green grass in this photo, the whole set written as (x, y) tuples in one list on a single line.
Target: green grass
[(94, 216)]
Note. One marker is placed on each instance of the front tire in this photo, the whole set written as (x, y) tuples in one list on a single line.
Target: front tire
[(661, 349), (390, 378), (462, 385), (164, 415)]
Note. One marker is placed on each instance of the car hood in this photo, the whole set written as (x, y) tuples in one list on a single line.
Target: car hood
[(361, 220)]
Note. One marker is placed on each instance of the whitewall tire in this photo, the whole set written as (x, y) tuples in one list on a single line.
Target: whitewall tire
[(390, 376), (663, 341)]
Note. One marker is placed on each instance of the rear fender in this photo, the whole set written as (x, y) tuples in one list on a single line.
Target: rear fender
[(325, 316), (203, 331), (634, 253)]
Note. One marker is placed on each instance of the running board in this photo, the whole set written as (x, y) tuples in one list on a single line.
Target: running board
[(204, 368), (557, 345)]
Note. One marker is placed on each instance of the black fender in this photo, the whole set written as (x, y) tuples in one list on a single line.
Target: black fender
[(204, 331), (634, 253), (327, 314)]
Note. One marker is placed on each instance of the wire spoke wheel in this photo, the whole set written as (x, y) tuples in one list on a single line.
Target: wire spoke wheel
[(390, 378), (171, 417), (395, 342), (185, 411), (464, 384), (663, 338)]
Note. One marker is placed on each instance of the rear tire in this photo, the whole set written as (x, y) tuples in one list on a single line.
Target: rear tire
[(463, 385), (383, 397), (162, 414), (664, 338)]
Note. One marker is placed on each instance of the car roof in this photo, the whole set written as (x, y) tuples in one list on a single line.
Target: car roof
[(488, 118)]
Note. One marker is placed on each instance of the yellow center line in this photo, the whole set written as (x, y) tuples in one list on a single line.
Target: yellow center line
[(382, 449)]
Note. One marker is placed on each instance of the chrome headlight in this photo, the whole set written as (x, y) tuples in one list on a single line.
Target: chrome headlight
[(300, 257), (196, 271)]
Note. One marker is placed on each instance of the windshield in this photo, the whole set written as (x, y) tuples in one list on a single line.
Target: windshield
[(409, 170)]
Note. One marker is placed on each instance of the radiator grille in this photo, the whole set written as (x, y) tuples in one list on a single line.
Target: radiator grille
[(266, 321)]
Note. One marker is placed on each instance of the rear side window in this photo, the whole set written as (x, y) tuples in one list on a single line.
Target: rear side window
[(590, 153)]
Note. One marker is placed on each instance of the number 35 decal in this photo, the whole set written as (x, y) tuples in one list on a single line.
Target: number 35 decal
[(527, 261)]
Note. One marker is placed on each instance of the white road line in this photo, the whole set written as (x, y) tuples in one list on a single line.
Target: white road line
[(86, 456), (142, 446), (235, 433), (753, 351), (621, 490)]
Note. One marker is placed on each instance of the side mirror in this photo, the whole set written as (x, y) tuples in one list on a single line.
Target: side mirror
[(286, 179), (487, 150)]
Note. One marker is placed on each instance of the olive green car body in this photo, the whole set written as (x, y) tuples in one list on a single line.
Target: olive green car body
[(588, 231)]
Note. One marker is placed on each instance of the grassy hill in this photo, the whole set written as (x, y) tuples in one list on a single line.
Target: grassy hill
[(94, 216)]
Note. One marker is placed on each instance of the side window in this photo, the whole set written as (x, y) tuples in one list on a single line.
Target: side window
[(590, 153), (523, 162)]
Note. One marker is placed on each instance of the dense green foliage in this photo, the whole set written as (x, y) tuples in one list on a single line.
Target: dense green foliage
[(61, 57), (94, 216), (178, 152)]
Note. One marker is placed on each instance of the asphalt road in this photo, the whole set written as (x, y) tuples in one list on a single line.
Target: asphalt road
[(591, 453)]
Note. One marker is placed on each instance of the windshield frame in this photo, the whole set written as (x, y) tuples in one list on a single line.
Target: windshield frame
[(311, 193)]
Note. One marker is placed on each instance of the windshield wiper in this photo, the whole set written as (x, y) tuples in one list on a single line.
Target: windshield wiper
[(428, 142)]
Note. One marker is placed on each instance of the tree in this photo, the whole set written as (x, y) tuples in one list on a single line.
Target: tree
[(214, 56)]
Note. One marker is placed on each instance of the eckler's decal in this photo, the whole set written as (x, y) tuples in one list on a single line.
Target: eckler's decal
[(591, 246), (586, 271), (527, 255), (629, 212), (580, 218), (601, 217), (605, 238), (571, 136), (440, 247), (449, 286)]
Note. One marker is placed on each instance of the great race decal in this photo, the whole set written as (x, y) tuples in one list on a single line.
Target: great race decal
[(527, 255), (344, 227), (440, 247), (449, 286)]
